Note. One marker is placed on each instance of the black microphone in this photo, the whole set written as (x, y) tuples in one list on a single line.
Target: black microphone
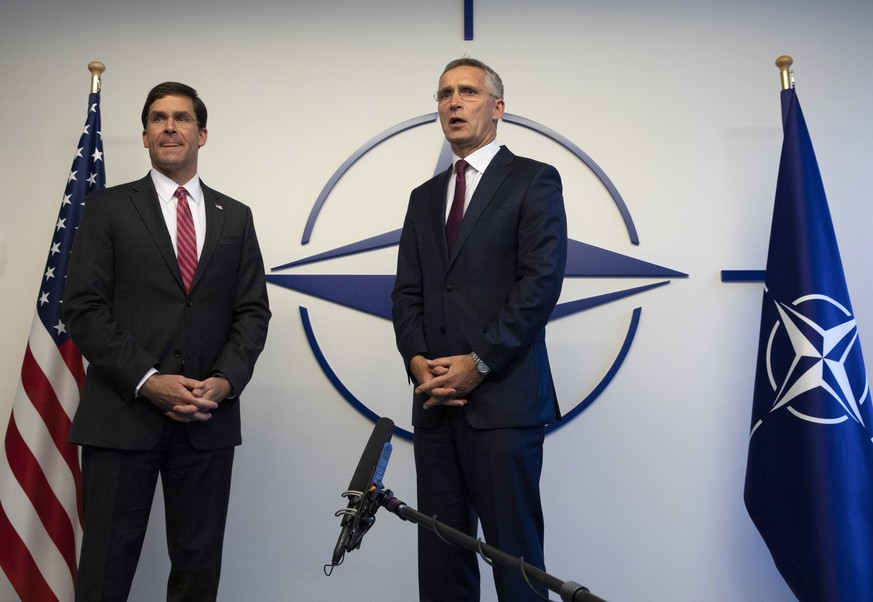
[(371, 466)]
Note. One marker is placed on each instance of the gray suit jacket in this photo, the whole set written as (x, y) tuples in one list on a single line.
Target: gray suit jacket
[(127, 310)]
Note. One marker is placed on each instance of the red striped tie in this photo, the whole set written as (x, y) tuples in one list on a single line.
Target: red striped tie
[(186, 239)]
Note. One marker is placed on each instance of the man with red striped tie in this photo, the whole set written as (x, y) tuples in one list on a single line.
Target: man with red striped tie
[(166, 299)]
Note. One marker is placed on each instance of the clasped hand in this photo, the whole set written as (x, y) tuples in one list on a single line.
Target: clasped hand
[(185, 399), (447, 381)]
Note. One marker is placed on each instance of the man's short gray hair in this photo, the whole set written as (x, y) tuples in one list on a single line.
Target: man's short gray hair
[(494, 81)]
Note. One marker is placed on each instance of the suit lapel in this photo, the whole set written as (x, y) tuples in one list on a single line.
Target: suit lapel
[(438, 213), (214, 226), (496, 172), (145, 200)]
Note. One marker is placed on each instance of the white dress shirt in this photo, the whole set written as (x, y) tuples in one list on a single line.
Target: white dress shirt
[(478, 161), (166, 189)]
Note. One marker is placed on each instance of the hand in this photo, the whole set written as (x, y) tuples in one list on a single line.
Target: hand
[(173, 394), (454, 377), (424, 373), (215, 388)]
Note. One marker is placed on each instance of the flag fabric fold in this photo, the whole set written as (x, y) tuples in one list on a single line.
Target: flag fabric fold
[(40, 478), (809, 477)]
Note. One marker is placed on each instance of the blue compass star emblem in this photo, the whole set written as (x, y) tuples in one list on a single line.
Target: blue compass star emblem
[(369, 294)]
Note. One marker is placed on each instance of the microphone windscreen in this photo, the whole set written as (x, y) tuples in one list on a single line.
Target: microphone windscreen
[(372, 453), (361, 480)]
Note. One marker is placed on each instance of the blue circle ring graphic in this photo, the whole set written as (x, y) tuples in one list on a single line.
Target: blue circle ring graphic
[(334, 379), (508, 118)]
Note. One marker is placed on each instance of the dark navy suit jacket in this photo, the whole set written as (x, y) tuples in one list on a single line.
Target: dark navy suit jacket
[(493, 295)]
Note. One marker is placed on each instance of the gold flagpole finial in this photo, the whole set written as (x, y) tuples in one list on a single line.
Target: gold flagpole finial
[(784, 63), (96, 68)]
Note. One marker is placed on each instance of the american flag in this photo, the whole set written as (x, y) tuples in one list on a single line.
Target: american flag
[(40, 477)]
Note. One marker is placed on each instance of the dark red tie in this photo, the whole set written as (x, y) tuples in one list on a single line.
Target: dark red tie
[(456, 213), (186, 239)]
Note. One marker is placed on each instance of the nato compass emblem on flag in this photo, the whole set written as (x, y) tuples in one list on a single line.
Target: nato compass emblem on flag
[(811, 359), (348, 280)]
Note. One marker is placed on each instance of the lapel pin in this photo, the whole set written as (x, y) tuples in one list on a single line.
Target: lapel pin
[(219, 207)]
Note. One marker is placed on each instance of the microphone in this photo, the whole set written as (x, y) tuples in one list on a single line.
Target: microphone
[(357, 516)]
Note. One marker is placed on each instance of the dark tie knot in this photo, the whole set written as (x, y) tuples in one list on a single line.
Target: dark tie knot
[(461, 167)]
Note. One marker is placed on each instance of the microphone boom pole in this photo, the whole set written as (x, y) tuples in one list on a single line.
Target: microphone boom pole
[(366, 494), (568, 590)]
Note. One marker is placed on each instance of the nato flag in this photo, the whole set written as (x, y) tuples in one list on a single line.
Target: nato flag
[(809, 477)]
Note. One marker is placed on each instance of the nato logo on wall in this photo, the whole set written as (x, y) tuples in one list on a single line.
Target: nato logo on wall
[(356, 221)]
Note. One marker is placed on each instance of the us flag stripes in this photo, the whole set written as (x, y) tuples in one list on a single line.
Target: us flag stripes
[(40, 480)]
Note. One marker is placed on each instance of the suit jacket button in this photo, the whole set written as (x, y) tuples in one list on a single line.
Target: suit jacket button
[(449, 288), (177, 353), (188, 303), (442, 330)]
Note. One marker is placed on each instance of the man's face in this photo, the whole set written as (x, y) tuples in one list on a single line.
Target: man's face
[(469, 120), (173, 137)]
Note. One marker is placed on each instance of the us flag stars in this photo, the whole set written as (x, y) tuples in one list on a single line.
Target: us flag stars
[(88, 160)]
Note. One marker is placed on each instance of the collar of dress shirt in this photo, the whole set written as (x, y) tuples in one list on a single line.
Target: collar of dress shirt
[(166, 188), (480, 158)]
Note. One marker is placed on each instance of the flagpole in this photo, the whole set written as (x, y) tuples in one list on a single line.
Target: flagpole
[(96, 68), (810, 442), (40, 473), (784, 63)]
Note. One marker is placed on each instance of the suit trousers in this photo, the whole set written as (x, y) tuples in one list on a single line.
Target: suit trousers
[(490, 475), (118, 487)]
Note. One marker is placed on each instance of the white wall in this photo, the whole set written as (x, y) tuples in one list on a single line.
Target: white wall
[(679, 104)]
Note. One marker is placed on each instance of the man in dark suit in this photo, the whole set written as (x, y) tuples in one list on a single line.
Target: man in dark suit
[(480, 267), (166, 299)]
